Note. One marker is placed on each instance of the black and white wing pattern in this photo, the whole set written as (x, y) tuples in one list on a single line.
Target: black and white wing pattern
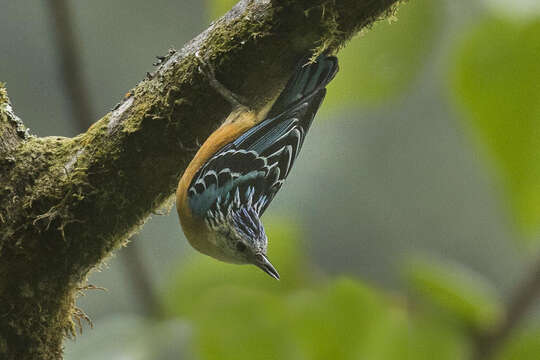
[(250, 171)]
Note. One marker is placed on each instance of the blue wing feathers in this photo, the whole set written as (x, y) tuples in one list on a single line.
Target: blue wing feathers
[(254, 166)]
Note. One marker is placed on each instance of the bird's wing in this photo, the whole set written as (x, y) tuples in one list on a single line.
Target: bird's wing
[(251, 170)]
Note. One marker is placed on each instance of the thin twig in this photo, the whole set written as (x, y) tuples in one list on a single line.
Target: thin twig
[(523, 298), (70, 64), (139, 278)]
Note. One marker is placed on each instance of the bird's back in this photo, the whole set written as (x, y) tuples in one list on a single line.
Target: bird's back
[(251, 169)]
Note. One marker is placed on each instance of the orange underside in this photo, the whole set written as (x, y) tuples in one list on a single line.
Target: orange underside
[(236, 124)]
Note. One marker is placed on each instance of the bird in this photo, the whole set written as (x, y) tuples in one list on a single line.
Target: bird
[(238, 170)]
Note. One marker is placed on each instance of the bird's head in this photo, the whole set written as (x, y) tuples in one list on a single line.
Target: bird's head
[(238, 237)]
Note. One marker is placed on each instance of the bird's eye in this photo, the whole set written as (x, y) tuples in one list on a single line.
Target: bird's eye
[(240, 246)]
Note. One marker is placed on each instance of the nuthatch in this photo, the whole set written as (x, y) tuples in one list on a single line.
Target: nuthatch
[(242, 165)]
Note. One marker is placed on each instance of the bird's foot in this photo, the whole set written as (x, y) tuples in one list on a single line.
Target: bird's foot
[(237, 101)]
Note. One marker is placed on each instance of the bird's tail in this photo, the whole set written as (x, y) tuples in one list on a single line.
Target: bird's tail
[(308, 80)]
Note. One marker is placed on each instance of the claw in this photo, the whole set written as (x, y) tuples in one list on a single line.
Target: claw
[(237, 101)]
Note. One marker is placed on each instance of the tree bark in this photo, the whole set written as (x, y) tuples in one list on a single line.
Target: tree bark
[(67, 203)]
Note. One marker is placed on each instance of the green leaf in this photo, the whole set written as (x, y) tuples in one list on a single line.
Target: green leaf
[(342, 320), (430, 338), (239, 313), (335, 321), (497, 80), (238, 323), (464, 294), (525, 345), (383, 61), (348, 320), (400, 335)]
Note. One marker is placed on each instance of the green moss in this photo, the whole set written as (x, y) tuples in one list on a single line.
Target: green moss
[(337, 34), (331, 26), (3, 94)]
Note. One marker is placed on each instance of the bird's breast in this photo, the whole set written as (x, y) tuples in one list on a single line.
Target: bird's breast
[(194, 226)]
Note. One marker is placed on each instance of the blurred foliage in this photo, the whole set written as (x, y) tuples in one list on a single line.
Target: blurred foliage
[(217, 8), (125, 336), (515, 8), (465, 295), (497, 79), (525, 345), (239, 314)]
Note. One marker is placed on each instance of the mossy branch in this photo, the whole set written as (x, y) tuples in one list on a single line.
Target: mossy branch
[(67, 203)]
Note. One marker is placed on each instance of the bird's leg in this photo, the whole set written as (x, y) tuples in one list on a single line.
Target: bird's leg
[(237, 101)]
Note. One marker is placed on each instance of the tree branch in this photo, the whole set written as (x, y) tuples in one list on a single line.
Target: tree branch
[(522, 300), (68, 202), (70, 69)]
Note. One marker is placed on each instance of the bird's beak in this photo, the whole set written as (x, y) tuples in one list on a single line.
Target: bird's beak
[(262, 262)]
